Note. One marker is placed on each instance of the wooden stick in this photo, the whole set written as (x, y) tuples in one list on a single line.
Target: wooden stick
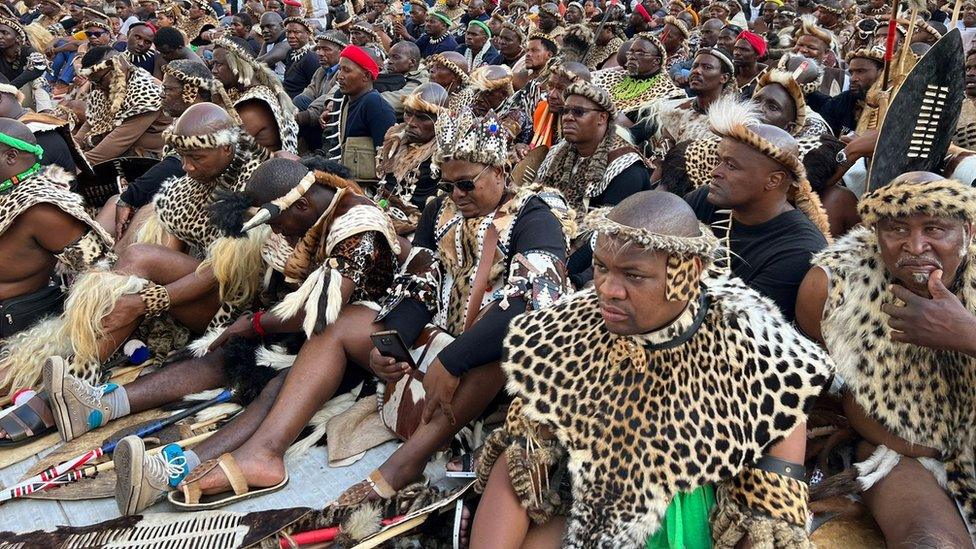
[(955, 15)]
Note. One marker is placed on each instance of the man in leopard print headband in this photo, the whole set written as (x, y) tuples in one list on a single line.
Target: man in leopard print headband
[(328, 246), (592, 166), (650, 406), (177, 266), (894, 303)]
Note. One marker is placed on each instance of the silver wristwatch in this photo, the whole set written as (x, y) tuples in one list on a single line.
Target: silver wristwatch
[(841, 157)]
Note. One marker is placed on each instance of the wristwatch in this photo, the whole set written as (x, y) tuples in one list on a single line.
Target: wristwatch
[(841, 157)]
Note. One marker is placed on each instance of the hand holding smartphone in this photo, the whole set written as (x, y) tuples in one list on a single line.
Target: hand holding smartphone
[(390, 344)]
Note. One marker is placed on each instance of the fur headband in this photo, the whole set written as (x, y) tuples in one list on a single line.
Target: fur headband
[(516, 29), (838, 10), (458, 71), (550, 9), (365, 29), (679, 24), (416, 101), (655, 41), (705, 245), (595, 94), (215, 140), (735, 119), (481, 82), (335, 37), (95, 18), (543, 37), (946, 198), (301, 21), (874, 54), (786, 80), (809, 26)]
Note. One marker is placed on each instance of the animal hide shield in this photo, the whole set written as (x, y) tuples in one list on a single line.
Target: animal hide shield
[(923, 113)]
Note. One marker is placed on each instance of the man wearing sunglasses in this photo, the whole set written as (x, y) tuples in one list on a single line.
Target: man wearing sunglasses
[(592, 166)]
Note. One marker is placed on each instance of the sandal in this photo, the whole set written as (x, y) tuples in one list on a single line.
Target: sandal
[(27, 422), (365, 489), (191, 498)]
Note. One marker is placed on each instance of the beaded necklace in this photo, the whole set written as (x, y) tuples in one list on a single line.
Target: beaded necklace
[(630, 88)]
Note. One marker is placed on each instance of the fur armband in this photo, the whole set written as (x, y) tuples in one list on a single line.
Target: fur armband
[(89, 251), (155, 298), (537, 466), (538, 277), (320, 296), (419, 279), (768, 508)]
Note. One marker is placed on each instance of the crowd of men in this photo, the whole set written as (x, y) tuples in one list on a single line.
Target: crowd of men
[(643, 233)]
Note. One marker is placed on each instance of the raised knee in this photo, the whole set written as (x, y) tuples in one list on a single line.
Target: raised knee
[(137, 259)]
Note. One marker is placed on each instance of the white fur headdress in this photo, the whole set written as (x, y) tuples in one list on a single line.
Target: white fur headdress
[(468, 137)]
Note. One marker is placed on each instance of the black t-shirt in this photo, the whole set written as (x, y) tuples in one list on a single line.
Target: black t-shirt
[(299, 72), (56, 150), (772, 257)]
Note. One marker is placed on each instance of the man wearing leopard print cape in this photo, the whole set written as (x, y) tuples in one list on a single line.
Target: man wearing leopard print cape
[(591, 166), (124, 115), (44, 229), (180, 265), (894, 301), (662, 403), (345, 251)]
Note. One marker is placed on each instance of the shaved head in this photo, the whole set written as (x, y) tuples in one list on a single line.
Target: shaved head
[(203, 119), (778, 137), (657, 211), (810, 72), (917, 177), (273, 179), (577, 69), (15, 128)]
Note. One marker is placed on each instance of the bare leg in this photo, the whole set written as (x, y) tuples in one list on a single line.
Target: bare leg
[(176, 381), (931, 520), (162, 266), (477, 389), (129, 236), (106, 217), (231, 436), (500, 521), (310, 383)]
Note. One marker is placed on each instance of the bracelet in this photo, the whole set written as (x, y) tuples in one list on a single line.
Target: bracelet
[(155, 298), (256, 323)]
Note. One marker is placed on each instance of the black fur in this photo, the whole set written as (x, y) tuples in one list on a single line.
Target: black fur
[(244, 376), (821, 163), (227, 212), (674, 175), (323, 164)]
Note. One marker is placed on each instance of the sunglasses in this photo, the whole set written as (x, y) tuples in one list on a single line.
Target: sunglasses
[(578, 112), (464, 185), (95, 34)]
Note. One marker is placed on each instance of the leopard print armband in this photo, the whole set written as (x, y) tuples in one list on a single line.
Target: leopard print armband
[(155, 298), (768, 508), (86, 253)]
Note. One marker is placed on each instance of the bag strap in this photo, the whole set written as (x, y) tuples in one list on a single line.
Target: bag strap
[(480, 285)]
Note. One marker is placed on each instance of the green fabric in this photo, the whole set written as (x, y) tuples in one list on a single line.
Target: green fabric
[(686, 522)]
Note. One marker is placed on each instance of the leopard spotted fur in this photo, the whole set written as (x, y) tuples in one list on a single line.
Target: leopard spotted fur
[(698, 414)]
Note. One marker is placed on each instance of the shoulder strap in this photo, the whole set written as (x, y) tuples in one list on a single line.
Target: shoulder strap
[(480, 284)]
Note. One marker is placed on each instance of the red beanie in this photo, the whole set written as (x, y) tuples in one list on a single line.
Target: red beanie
[(757, 42), (640, 9), (359, 56)]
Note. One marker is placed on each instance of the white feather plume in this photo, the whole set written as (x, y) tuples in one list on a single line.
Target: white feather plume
[(729, 112)]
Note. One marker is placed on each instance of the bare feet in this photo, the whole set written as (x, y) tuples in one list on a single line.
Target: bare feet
[(261, 470)]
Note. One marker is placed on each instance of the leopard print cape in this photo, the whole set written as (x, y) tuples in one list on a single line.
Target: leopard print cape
[(698, 412), (142, 94), (598, 55), (52, 186), (965, 135), (183, 204), (922, 395), (287, 126)]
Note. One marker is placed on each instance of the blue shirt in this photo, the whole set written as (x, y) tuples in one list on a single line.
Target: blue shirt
[(370, 115), (427, 49)]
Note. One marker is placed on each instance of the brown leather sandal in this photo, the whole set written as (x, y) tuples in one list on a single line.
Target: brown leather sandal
[(191, 498), (26, 422)]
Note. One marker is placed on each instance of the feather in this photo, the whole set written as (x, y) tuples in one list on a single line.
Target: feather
[(201, 346), (296, 301), (228, 210), (320, 421), (729, 112)]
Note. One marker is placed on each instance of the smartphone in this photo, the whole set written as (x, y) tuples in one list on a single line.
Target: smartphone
[(390, 344)]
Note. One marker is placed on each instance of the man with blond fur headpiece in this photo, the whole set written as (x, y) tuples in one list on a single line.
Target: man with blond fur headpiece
[(760, 205), (404, 163), (894, 303), (180, 266)]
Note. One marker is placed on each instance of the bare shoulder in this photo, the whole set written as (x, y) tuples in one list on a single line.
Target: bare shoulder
[(810, 301)]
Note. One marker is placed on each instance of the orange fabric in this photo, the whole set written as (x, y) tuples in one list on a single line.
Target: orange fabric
[(543, 125)]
